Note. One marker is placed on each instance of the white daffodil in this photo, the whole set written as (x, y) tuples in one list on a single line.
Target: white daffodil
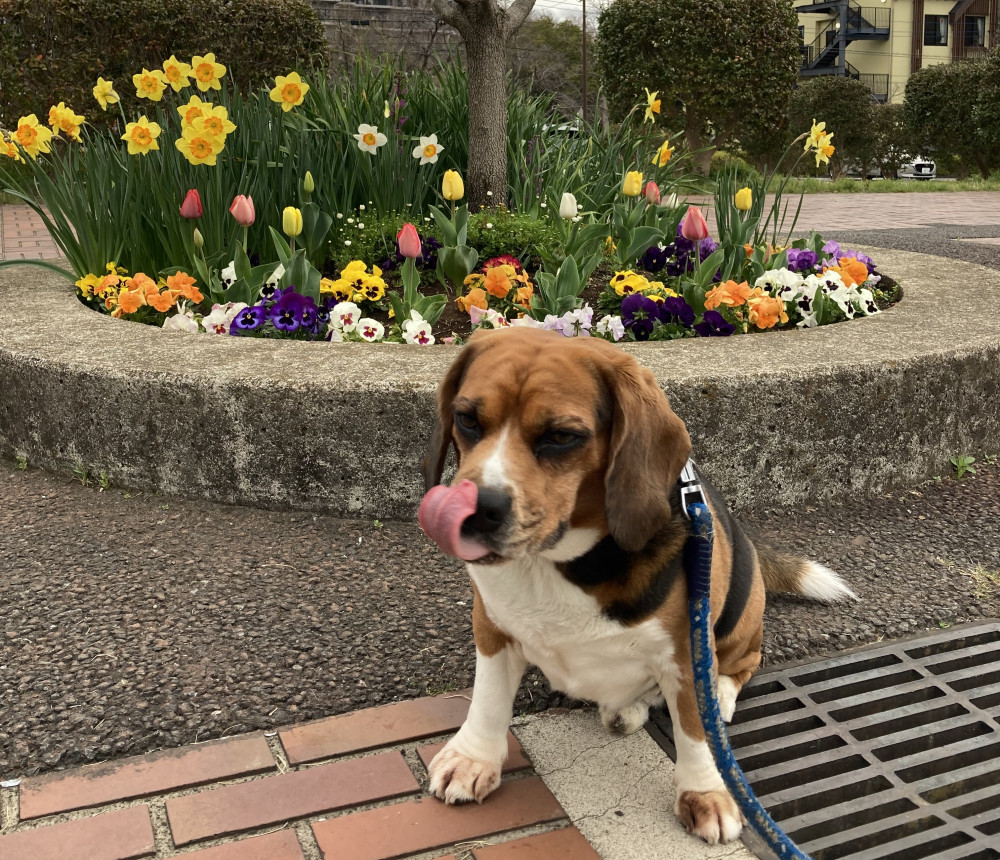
[(429, 150), (369, 138), (370, 330)]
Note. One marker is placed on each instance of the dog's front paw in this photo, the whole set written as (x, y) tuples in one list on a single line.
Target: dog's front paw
[(626, 721), (457, 778), (710, 815)]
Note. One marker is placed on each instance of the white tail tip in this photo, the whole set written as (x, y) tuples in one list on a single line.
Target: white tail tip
[(821, 583)]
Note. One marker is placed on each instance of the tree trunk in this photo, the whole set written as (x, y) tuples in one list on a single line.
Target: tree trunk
[(487, 71), (701, 150)]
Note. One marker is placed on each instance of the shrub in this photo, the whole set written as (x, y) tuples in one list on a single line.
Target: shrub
[(54, 50), (723, 161), (846, 106), (498, 231)]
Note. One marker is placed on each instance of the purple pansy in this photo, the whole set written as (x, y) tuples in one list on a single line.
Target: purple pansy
[(639, 315), (676, 310), (802, 259), (248, 319), (714, 324), (289, 312), (654, 259)]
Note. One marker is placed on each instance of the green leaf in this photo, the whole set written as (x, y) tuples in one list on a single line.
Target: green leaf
[(42, 264)]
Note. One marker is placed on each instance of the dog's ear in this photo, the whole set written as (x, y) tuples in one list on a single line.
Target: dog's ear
[(648, 449), (441, 438)]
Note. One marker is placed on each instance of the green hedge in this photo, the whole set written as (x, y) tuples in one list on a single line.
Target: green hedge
[(54, 50)]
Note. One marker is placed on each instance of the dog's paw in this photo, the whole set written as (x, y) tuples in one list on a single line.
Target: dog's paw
[(457, 778), (627, 720), (710, 815), (728, 691)]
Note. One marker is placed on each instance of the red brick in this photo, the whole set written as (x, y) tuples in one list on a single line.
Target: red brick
[(375, 727), (283, 845), (515, 755), (98, 784), (567, 844), (427, 823), (276, 799), (120, 835)]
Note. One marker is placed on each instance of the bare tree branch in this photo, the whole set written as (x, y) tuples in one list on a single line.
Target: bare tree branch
[(516, 14), (451, 14)]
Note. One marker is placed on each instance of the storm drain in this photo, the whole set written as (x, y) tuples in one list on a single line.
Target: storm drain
[(889, 752)]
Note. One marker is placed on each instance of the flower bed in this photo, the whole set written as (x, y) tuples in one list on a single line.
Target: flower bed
[(635, 265)]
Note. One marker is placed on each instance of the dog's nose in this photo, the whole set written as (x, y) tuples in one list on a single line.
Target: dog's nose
[(492, 507)]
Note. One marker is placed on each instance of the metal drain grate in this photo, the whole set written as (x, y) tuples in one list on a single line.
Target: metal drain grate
[(890, 752)]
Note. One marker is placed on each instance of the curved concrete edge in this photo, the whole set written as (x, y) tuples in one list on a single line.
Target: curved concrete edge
[(777, 419)]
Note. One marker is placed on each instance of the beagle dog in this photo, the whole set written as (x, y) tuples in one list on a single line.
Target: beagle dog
[(566, 508)]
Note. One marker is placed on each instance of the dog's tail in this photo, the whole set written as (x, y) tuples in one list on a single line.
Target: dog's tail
[(785, 572)]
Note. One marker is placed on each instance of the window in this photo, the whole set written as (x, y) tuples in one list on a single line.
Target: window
[(936, 29), (975, 31)]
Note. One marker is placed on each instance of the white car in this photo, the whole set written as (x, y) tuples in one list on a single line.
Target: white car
[(917, 168)]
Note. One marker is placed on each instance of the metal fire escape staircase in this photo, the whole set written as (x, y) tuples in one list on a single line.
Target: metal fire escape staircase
[(850, 22)]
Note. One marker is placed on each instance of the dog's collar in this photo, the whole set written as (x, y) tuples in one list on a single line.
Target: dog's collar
[(690, 487)]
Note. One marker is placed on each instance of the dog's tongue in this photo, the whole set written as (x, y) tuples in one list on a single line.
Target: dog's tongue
[(442, 512)]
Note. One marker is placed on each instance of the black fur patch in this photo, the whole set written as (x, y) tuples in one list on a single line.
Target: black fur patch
[(741, 574)]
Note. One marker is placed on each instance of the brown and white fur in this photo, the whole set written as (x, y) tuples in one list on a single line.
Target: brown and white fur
[(582, 450)]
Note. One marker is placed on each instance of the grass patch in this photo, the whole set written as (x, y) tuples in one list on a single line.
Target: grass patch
[(811, 185)]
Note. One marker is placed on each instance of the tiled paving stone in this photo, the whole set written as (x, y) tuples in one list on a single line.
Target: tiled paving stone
[(121, 835), (515, 761), (283, 845), (565, 844)]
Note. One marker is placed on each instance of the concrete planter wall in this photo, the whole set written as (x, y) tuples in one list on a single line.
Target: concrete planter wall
[(783, 418)]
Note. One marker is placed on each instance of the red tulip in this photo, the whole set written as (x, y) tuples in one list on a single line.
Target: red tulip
[(191, 207), (694, 226), (652, 192), (409, 242), (242, 210)]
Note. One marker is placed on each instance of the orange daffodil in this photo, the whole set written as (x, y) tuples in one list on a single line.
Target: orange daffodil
[(141, 136), (207, 73), (62, 119), (104, 92), (289, 91), (204, 128), (8, 147), (176, 73), (32, 136), (149, 84)]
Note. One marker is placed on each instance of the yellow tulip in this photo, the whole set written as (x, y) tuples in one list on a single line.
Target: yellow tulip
[(743, 199), (632, 187), (452, 187), (308, 183), (291, 221)]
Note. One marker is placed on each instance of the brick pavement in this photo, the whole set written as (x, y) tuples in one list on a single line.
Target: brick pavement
[(346, 786), (23, 235)]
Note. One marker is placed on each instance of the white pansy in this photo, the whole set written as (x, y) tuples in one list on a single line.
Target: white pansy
[(228, 274), (417, 330), (370, 330), (276, 276), (345, 316)]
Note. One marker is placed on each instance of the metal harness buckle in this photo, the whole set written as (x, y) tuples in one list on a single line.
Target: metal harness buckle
[(691, 490)]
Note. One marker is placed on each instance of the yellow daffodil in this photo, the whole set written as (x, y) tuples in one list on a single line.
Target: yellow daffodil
[(195, 109), (663, 154), (216, 121), (632, 186), (815, 133), (289, 91), (743, 199), (176, 73), (9, 148), (62, 119), (141, 136), (32, 135), (149, 84), (652, 105), (105, 93), (197, 145), (207, 72), (824, 149)]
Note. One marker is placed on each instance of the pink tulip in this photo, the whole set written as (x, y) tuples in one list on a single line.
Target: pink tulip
[(652, 192), (694, 226), (191, 207), (242, 210), (409, 242)]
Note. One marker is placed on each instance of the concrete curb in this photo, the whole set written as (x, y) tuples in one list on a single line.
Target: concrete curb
[(777, 419)]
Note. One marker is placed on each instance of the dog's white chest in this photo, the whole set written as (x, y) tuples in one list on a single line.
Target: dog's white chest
[(562, 630)]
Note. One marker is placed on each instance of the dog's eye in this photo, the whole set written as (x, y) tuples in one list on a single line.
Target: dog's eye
[(467, 424), (555, 442)]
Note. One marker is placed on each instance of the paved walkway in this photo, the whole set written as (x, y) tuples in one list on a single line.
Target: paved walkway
[(23, 235)]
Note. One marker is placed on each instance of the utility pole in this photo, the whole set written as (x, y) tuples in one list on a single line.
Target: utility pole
[(584, 60)]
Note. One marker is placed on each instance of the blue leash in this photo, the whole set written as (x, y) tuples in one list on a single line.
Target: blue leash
[(698, 564)]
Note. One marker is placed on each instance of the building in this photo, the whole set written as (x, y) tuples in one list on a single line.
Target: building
[(883, 43)]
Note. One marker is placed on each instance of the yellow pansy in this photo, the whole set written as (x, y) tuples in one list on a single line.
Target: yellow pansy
[(141, 136), (207, 72), (176, 73), (105, 93), (88, 284), (149, 84), (32, 135), (289, 91)]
